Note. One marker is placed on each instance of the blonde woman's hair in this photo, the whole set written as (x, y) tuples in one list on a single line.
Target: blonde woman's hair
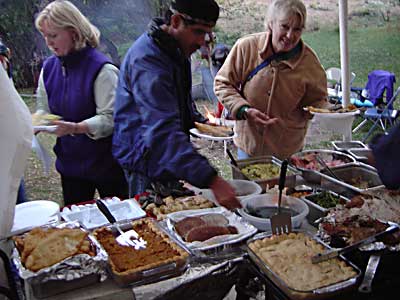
[(286, 8), (63, 14)]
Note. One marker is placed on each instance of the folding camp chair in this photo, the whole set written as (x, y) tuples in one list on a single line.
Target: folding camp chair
[(385, 117)]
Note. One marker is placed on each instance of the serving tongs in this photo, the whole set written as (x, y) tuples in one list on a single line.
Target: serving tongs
[(281, 222), (325, 166), (335, 253), (128, 238)]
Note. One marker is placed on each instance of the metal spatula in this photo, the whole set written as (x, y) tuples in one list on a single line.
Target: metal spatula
[(128, 238), (281, 222)]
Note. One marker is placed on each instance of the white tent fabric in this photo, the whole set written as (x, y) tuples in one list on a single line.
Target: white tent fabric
[(16, 136)]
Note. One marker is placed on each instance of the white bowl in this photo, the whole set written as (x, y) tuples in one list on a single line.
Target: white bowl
[(243, 189), (264, 224)]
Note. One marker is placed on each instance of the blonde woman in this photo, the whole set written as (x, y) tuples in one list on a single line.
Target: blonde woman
[(78, 83), (266, 81)]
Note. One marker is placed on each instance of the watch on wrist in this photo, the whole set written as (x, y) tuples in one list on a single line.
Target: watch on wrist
[(245, 112)]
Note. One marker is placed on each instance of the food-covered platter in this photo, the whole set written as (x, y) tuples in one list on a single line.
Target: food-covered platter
[(161, 257), (206, 136), (307, 162), (263, 170), (208, 228), (90, 217), (364, 216), (333, 113), (54, 259), (286, 261)]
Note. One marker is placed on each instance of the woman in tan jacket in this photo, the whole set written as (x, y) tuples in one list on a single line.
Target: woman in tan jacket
[(266, 81)]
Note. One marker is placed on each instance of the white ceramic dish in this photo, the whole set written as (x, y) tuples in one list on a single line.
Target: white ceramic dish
[(243, 189), (34, 213), (264, 224), (91, 217), (197, 133)]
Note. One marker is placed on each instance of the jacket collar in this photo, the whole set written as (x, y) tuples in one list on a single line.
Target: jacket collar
[(164, 40), (74, 57), (265, 50)]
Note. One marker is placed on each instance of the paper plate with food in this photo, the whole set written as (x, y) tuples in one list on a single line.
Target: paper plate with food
[(44, 121), (334, 111), (212, 132)]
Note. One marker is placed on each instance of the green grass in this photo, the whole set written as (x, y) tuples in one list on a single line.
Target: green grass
[(370, 49)]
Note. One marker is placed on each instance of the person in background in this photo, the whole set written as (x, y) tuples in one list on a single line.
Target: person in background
[(267, 80), (384, 156), (78, 83), (5, 56), (154, 110)]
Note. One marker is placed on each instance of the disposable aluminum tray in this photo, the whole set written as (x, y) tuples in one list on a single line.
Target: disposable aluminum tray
[(346, 174), (159, 272), (317, 211), (348, 145), (320, 293), (271, 182), (314, 176), (72, 273), (360, 154)]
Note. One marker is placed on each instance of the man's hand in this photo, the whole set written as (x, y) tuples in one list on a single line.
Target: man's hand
[(224, 193)]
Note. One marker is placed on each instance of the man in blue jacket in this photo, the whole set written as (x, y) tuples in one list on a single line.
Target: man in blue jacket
[(154, 110)]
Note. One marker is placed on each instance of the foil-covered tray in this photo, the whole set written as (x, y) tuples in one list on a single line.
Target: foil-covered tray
[(313, 174), (73, 272), (264, 183), (147, 272), (295, 294), (245, 229)]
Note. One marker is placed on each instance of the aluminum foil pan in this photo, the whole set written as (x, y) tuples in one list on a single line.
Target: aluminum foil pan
[(245, 230), (71, 268)]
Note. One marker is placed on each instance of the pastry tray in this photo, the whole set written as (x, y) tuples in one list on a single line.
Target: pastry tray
[(162, 270), (264, 183), (319, 293), (245, 229)]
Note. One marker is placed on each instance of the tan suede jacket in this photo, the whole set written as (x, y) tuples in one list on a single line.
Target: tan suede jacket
[(281, 90)]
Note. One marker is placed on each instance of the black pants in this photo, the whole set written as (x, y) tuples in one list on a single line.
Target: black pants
[(77, 190)]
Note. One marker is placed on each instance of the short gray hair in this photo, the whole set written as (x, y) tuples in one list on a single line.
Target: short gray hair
[(287, 8), (63, 14)]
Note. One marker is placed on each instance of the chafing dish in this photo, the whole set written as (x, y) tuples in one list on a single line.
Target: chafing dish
[(317, 211), (294, 294), (360, 154), (314, 175), (351, 176), (348, 145), (270, 182)]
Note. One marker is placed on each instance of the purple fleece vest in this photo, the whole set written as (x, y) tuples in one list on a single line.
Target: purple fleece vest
[(69, 83)]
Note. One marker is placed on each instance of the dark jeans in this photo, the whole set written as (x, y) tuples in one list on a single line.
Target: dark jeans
[(21, 197), (77, 190), (137, 183)]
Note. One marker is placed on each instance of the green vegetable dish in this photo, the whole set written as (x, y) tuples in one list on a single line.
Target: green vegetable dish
[(326, 199), (261, 171)]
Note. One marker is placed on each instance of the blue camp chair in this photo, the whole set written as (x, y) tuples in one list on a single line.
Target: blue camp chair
[(384, 116)]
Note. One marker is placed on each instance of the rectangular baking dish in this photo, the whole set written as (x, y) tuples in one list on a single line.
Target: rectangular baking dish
[(319, 293)]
